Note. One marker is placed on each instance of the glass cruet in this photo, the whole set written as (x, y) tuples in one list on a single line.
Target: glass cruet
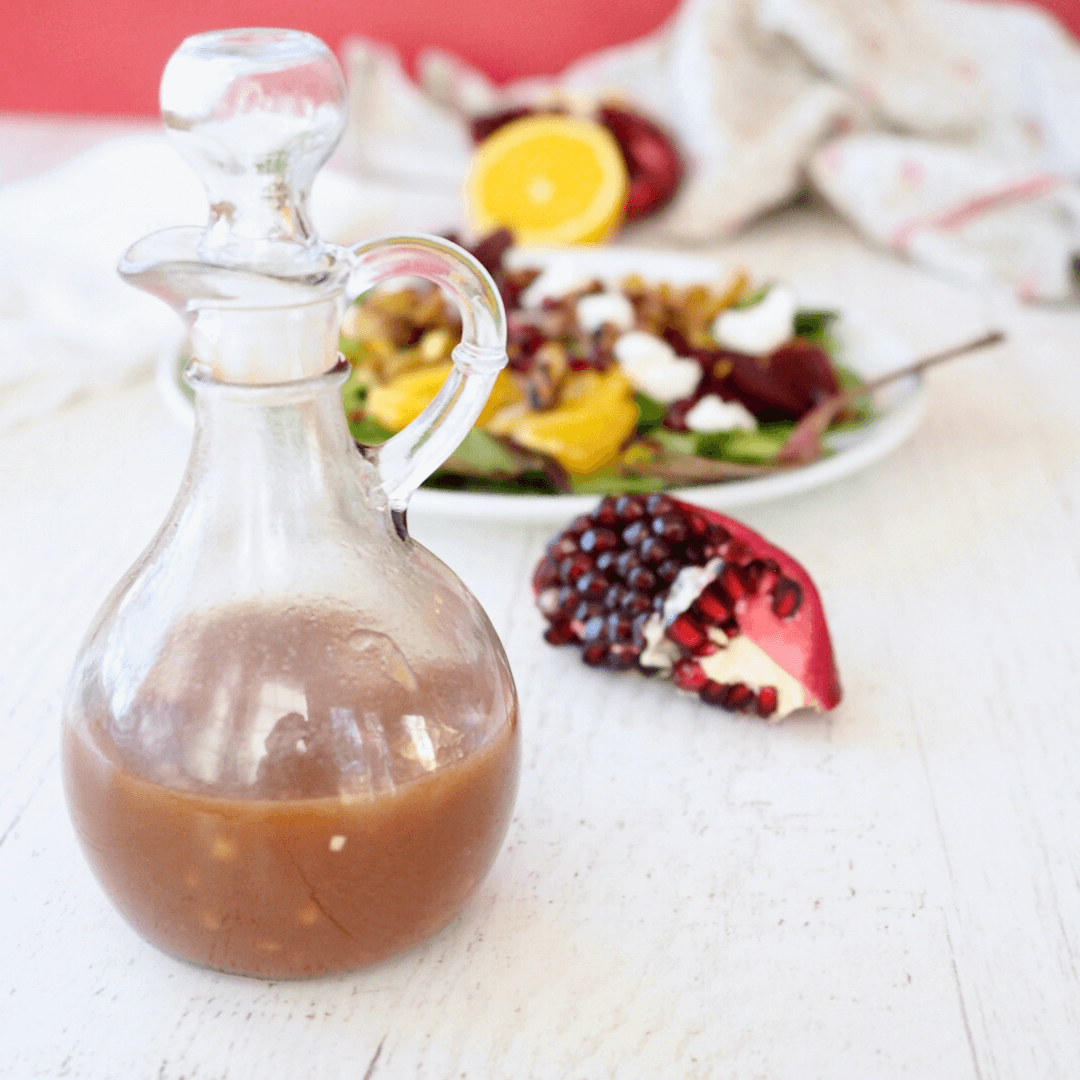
[(290, 738)]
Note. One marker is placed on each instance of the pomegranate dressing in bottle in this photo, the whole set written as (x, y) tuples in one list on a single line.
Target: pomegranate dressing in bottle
[(290, 740)]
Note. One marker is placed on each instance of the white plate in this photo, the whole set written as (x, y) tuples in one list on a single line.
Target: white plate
[(866, 348)]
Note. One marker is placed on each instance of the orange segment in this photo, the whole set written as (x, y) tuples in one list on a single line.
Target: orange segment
[(585, 430), (549, 179), (398, 403)]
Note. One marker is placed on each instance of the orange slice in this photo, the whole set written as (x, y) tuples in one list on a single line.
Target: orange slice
[(398, 403), (550, 179), (585, 431)]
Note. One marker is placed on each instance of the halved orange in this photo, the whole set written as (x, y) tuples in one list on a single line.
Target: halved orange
[(550, 179)]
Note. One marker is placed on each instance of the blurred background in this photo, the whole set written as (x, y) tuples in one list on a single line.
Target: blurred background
[(68, 56), (943, 132)]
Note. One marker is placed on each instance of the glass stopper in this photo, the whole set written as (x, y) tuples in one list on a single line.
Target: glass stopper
[(256, 113)]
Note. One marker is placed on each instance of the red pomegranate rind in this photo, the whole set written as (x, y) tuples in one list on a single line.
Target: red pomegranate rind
[(800, 643)]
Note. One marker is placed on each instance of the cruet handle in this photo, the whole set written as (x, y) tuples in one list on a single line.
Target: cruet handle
[(407, 459)]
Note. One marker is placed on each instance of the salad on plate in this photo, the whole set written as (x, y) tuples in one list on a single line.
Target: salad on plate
[(616, 383)]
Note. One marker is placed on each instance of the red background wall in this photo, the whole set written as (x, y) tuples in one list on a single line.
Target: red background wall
[(106, 56)]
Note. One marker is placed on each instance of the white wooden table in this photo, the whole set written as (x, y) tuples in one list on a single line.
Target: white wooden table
[(891, 890)]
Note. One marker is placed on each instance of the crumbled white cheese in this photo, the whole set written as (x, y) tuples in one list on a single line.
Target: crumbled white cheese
[(713, 413), (741, 661), (660, 651), (652, 366), (760, 328), (596, 309), (688, 586), (561, 276)]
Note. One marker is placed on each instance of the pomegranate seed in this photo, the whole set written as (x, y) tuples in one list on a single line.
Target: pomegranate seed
[(635, 603), (635, 532), (593, 630), (787, 598), (595, 654), (689, 675), (697, 524), (659, 504), (592, 584), (614, 597), (547, 573), (629, 507), (752, 573), (573, 566), (671, 527), (637, 629), (686, 633), (605, 561), (625, 561), (718, 535), (712, 693), (668, 570), (560, 634), (605, 513), (653, 550), (587, 609), (737, 552), (675, 417), (739, 697), (548, 602), (641, 579), (732, 581), (707, 648), (713, 604), (568, 600), (562, 546), (579, 525), (622, 657), (766, 701), (597, 540)]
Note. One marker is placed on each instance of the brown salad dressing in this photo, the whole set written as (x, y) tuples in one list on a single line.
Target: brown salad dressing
[(287, 877)]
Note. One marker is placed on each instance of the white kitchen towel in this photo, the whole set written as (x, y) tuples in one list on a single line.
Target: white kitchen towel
[(68, 324), (943, 129)]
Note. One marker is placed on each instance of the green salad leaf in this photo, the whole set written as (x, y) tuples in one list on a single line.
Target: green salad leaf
[(481, 454), (748, 447), (816, 326), (650, 413), (605, 481), (369, 432)]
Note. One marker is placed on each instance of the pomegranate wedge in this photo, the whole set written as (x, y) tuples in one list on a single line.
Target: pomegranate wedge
[(686, 593)]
